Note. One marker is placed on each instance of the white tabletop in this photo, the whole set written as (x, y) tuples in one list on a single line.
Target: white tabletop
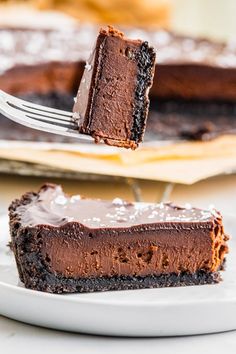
[(21, 338), (17, 337)]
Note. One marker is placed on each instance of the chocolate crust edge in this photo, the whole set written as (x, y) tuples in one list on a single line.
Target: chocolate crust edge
[(145, 57), (16, 229)]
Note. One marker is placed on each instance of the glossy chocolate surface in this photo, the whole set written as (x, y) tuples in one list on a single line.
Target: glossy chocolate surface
[(52, 207)]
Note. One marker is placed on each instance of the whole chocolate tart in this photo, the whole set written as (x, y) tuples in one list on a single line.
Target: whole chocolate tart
[(112, 101), (53, 60), (71, 244), (194, 88)]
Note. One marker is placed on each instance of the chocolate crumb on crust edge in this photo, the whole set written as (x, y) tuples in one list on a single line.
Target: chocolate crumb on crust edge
[(145, 57)]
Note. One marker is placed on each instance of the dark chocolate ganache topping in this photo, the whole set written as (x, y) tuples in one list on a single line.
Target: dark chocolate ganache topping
[(51, 206)]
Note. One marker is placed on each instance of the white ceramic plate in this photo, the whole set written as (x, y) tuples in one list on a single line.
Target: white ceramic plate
[(150, 312)]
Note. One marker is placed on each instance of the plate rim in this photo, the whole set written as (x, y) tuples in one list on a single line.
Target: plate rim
[(117, 303)]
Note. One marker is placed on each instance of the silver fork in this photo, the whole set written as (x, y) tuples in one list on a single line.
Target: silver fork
[(40, 117)]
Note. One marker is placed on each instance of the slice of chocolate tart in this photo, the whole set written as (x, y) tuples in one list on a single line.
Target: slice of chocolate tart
[(112, 101), (71, 244)]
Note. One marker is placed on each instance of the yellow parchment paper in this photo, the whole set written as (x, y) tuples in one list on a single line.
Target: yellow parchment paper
[(185, 162)]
